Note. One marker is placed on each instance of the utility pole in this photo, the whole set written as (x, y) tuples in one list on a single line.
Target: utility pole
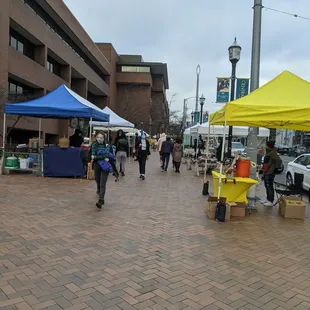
[(255, 73), (198, 70)]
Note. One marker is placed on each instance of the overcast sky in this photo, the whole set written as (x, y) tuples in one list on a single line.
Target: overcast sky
[(185, 33)]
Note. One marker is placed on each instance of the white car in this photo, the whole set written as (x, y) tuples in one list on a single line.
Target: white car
[(299, 165), (237, 147)]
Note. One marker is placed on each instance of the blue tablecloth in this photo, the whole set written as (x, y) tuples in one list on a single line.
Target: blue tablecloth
[(59, 162)]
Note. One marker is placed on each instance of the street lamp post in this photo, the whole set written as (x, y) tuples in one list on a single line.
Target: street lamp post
[(198, 70), (234, 56), (202, 102)]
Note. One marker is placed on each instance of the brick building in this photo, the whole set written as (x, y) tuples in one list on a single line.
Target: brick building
[(48, 47)]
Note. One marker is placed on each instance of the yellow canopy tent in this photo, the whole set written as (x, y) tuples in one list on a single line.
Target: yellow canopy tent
[(284, 102)]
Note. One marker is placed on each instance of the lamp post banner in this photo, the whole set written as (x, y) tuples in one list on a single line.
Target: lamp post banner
[(242, 88), (196, 117), (222, 95)]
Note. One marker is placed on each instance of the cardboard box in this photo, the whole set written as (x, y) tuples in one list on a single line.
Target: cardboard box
[(211, 207), (35, 140), (237, 209), (292, 207)]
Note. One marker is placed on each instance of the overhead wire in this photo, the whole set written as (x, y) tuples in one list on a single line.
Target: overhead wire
[(286, 13)]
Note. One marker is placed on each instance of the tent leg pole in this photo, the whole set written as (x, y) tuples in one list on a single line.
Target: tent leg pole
[(3, 144), (4, 132), (90, 128), (39, 146), (221, 167), (207, 151)]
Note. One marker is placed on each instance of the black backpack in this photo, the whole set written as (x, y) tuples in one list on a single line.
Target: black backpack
[(278, 163), (220, 212)]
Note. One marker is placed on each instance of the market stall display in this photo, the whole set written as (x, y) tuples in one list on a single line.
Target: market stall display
[(63, 162), (281, 103), (234, 189), (61, 103)]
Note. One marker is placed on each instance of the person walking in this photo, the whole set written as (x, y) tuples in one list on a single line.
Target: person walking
[(271, 163), (101, 157), (122, 148), (177, 154), (219, 150), (143, 151), (166, 150), (159, 145)]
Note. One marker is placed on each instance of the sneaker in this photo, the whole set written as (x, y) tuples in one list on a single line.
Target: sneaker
[(143, 177), (99, 204), (268, 204), (140, 176)]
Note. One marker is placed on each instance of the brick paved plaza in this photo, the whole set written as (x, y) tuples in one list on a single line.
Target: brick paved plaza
[(151, 247)]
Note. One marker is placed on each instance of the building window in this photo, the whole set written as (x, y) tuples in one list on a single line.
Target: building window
[(135, 69), (53, 66), (17, 45), (50, 22), (15, 89), (21, 44)]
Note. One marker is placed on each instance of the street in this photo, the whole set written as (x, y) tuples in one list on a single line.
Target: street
[(281, 178)]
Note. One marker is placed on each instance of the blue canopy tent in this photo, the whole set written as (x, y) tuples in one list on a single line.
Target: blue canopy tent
[(62, 103)]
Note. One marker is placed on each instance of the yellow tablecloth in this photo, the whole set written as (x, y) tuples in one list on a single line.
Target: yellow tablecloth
[(233, 192)]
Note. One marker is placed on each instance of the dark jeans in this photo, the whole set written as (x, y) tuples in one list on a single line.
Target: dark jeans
[(166, 158), (268, 180), (142, 163), (101, 180)]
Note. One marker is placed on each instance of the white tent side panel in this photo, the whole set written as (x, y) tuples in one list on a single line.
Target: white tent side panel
[(238, 131)]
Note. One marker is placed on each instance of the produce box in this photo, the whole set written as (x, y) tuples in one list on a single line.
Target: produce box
[(237, 209), (35, 140), (211, 207), (292, 207)]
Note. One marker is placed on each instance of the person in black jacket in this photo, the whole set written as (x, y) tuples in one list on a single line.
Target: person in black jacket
[(219, 150), (166, 150), (143, 151), (76, 140)]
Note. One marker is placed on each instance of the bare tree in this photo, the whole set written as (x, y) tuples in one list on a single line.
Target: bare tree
[(131, 110), (6, 96)]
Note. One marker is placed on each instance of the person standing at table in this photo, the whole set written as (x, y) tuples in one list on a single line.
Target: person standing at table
[(271, 163), (76, 140), (121, 152), (143, 151), (101, 156)]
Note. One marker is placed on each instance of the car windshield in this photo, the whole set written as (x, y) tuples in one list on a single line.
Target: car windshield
[(237, 145)]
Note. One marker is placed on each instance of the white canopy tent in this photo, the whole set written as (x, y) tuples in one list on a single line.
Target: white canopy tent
[(238, 131), (115, 120)]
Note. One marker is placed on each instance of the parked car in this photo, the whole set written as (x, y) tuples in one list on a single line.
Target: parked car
[(297, 150), (283, 149), (237, 147), (299, 165)]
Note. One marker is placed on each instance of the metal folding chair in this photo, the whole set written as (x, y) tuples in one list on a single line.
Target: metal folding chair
[(295, 189)]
